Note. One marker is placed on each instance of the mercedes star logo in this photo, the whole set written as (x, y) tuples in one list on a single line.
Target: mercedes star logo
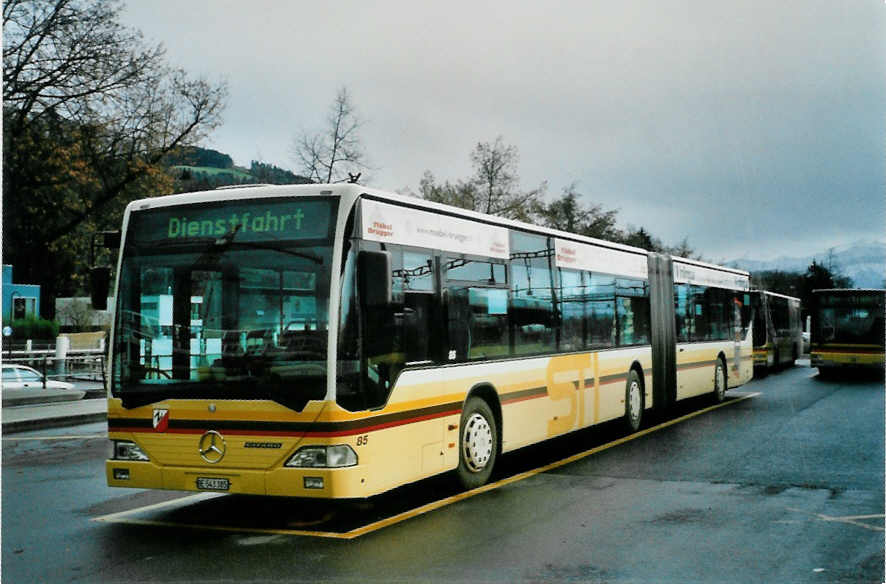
[(212, 447)]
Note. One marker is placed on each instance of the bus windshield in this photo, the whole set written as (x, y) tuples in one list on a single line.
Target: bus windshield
[(225, 301), (853, 319)]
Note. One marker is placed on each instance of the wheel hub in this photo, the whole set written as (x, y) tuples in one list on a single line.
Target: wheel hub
[(477, 443), (634, 400)]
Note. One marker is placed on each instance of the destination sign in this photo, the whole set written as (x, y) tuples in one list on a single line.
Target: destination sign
[(256, 220)]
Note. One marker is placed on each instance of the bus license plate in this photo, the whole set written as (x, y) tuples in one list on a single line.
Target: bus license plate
[(213, 484)]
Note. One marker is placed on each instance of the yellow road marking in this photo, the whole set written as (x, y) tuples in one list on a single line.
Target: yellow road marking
[(120, 517)]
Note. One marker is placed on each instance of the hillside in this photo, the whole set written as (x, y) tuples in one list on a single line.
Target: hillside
[(195, 169)]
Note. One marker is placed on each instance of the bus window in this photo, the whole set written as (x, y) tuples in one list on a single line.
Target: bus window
[(632, 312), (477, 309), (411, 272), (683, 312), (701, 330), (475, 271), (572, 298), (532, 295), (601, 311), (478, 323)]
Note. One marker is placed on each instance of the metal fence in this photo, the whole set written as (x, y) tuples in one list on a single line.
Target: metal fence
[(75, 365)]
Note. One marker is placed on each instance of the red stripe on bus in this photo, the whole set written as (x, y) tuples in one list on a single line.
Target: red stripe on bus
[(382, 426), (301, 433)]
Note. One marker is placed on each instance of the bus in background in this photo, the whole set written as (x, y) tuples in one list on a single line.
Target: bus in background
[(337, 341), (778, 336), (847, 329)]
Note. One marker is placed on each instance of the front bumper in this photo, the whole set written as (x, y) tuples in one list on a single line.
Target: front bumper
[(338, 483), (838, 359)]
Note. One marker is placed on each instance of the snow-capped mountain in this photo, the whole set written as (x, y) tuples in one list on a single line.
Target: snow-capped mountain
[(863, 261)]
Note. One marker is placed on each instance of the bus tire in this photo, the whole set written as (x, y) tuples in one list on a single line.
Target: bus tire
[(478, 443), (634, 401), (720, 381)]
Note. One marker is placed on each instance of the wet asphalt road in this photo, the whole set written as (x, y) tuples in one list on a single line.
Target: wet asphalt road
[(783, 487)]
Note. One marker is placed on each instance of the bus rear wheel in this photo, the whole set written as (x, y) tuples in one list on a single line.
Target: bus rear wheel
[(720, 382), (633, 402), (478, 444)]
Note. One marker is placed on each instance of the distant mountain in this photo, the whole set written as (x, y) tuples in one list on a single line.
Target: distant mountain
[(863, 261)]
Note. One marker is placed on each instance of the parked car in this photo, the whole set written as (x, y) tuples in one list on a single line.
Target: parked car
[(23, 377)]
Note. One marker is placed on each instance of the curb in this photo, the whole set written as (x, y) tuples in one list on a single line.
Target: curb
[(32, 400), (54, 422)]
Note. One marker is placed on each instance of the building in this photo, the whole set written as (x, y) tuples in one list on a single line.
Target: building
[(19, 300)]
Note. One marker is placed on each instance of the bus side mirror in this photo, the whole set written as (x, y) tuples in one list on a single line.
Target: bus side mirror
[(374, 278), (99, 286)]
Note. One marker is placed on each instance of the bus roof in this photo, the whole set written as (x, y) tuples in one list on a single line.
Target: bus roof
[(350, 193)]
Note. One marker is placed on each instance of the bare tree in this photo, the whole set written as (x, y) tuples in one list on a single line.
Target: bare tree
[(89, 112), (495, 174), (336, 151), (684, 250), (72, 60), (78, 314), (494, 187)]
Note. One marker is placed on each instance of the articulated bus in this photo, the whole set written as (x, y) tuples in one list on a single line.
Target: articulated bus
[(778, 334), (847, 329), (336, 341)]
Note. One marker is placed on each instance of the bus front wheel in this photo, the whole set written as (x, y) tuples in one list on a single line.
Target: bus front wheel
[(478, 444)]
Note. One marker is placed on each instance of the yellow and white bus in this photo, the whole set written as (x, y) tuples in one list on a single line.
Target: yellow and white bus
[(336, 341), (847, 329), (778, 334)]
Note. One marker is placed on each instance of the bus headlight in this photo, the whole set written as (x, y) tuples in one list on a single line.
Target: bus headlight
[(337, 456), (126, 450)]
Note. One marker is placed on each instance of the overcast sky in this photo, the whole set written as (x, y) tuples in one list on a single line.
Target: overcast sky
[(755, 129)]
